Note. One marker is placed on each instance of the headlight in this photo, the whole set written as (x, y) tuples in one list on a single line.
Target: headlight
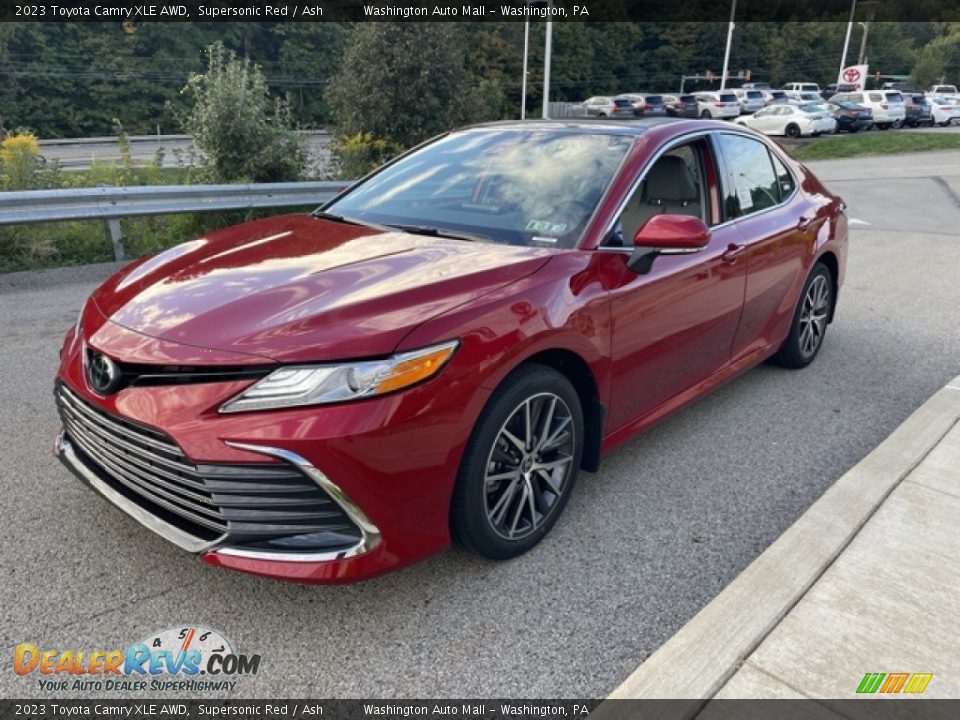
[(322, 384)]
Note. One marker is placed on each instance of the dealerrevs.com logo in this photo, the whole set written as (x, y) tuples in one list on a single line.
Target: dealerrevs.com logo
[(191, 659)]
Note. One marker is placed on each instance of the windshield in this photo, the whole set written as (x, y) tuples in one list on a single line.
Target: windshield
[(522, 187)]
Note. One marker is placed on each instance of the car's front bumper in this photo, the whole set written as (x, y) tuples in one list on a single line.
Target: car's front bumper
[(388, 464)]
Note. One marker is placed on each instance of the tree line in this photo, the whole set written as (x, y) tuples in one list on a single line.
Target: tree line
[(400, 82)]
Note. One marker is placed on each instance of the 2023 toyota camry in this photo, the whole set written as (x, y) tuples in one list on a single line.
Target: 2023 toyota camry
[(440, 349)]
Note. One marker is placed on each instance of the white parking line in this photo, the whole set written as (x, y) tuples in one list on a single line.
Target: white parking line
[(857, 221)]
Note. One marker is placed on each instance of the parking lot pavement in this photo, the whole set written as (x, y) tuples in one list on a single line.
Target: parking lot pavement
[(644, 544)]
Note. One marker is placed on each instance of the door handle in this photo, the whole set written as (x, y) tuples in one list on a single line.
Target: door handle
[(733, 252), (804, 222)]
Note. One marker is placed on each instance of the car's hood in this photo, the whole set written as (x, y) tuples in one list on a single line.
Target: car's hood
[(296, 288)]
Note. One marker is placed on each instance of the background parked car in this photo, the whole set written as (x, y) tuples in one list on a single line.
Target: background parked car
[(943, 91), (775, 97), (645, 104), (750, 100), (790, 120), (722, 104), (903, 87), (834, 88), (850, 117), (681, 105), (918, 111), (803, 97), (605, 106), (944, 110), (887, 111), (802, 87)]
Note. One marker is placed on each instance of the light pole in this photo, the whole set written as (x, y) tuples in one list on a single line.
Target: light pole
[(548, 49), (846, 42), (726, 55), (866, 30), (523, 82)]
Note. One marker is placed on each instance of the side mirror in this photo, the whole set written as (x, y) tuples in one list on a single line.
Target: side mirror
[(667, 235)]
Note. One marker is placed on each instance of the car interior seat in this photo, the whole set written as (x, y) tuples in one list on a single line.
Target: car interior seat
[(670, 187)]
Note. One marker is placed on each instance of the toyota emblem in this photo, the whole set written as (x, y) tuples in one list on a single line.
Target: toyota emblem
[(103, 375)]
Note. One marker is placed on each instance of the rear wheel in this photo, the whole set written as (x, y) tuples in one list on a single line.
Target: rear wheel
[(520, 464), (706, 114), (792, 131), (809, 320)]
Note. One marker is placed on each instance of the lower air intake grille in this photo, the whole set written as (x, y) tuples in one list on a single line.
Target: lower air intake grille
[(272, 506)]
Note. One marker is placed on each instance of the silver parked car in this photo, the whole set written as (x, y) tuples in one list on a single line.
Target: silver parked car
[(750, 100), (720, 104)]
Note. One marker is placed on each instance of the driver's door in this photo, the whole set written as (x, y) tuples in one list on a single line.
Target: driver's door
[(673, 327)]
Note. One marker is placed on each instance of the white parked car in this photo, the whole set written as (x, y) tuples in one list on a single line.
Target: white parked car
[(719, 104), (802, 87), (803, 97), (944, 110), (943, 91), (750, 100), (790, 120), (886, 105)]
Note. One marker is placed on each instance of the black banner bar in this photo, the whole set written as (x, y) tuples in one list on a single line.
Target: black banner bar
[(140, 11)]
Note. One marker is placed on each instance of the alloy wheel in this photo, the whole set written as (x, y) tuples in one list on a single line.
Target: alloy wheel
[(529, 466), (813, 316)]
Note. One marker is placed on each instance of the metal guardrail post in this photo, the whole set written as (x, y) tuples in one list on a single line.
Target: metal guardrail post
[(113, 229)]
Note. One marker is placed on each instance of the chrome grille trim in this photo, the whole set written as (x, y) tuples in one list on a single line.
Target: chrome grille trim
[(202, 506)]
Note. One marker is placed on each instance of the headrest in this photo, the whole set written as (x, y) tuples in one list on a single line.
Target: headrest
[(670, 181)]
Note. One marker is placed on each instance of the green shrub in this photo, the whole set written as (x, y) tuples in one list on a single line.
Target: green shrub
[(243, 133)]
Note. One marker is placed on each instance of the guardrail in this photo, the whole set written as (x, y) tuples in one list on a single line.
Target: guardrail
[(110, 204)]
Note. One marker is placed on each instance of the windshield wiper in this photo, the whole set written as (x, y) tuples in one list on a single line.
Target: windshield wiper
[(439, 232), (333, 217)]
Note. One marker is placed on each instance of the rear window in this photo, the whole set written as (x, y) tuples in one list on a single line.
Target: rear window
[(876, 97), (688, 98), (754, 94), (920, 100), (728, 97), (778, 94), (621, 102), (894, 97), (654, 100)]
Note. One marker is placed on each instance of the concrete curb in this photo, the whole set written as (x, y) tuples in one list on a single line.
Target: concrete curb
[(699, 659)]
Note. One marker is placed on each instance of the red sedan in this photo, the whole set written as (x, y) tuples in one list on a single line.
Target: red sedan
[(438, 351)]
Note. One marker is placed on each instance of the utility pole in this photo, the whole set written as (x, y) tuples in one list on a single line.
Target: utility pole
[(726, 55), (846, 42), (866, 31), (548, 49), (523, 82)]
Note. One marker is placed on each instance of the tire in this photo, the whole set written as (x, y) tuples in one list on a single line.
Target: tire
[(884, 126), (705, 115), (943, 124), (792, 131), (853, 129), (816, 301), (497, 519)]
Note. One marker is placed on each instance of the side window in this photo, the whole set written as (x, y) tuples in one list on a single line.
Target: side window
[(674, 184), (785, 181), (756, 187)]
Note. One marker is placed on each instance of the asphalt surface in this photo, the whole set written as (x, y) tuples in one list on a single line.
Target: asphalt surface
[(177, 149), (672, 517)]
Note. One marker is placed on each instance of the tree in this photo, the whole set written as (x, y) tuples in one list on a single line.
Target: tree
[(244, 134), (401, 82)]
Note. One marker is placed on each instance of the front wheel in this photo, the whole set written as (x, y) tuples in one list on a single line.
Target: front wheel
[(706, 115), (809, 320), (520, 464), (792, 131)]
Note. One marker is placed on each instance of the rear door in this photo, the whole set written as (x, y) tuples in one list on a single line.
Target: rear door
[(777, 226)]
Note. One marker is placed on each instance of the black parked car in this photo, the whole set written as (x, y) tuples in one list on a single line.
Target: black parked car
[(918, 111), (850, 117), (681, 105)]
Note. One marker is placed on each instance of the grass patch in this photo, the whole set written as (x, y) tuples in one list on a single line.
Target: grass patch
[(876, 142)]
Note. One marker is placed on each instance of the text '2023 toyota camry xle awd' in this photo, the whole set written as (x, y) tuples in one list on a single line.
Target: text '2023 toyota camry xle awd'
[(438, 351)]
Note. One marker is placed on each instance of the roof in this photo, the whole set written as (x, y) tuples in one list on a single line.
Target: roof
[(630, 126)]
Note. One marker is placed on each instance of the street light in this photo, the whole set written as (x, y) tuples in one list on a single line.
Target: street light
[(547, 52), (726, 54), (523, 84), (846, 42)]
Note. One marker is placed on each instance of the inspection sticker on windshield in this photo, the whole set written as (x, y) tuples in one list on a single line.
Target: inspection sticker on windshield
[(546, 227)]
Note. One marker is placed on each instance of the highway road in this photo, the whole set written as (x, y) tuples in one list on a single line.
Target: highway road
[(669, 520), (78, 154)]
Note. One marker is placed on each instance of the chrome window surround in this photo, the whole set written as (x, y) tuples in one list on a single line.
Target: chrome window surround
[(369, 533), (720, 170)]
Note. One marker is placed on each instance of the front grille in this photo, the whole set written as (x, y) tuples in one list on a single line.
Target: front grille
[(269, 506)]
